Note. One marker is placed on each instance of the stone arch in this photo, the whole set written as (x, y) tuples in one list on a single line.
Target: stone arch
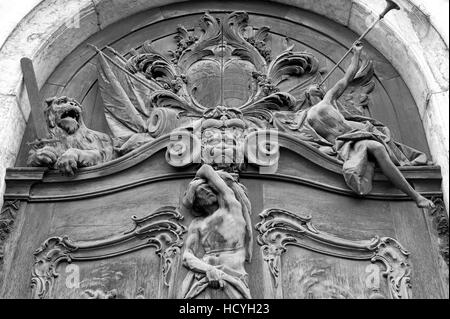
[(412, 40)]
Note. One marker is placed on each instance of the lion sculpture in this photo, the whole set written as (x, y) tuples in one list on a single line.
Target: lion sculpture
[(71, 145)]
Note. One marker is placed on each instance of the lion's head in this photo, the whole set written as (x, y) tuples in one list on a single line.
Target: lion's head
[(64, 113)]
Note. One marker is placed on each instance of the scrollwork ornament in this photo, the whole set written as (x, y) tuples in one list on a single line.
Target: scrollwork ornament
[(272, 256), (398, 271), (47, 257), (168, 257), (160, 230), (7, 218), (280, 228), (440, 223)]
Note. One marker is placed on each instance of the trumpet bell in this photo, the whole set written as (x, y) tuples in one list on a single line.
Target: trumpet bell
[(391, 5)]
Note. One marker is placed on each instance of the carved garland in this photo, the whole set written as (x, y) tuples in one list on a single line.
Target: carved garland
[(161, 230), (440, 222), (7, 218), (280, 228)]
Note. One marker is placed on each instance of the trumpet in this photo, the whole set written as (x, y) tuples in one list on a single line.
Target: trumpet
[(391, 5)]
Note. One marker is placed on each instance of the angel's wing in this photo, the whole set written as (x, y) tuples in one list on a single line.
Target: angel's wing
[(355, 99), (261, 112)]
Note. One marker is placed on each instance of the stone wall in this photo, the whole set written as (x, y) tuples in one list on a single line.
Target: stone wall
[(414, 40)]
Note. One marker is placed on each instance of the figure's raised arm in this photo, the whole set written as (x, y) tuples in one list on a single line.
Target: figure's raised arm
[(189, 195), (210, 175), (339, 88)]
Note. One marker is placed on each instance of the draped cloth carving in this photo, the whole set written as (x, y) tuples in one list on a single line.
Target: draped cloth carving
[(224, 71), (358, 169)]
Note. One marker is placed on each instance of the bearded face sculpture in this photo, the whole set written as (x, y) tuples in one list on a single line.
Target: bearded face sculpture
[(71, 144), (223, 132)]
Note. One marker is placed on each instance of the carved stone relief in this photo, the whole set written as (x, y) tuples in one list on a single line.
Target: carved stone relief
[(70, 144), (438, 225), (219, 243), (100, 294), (220, 86), (7, 218), (280, 228), (219, 239), (161, 230), (440, 222), (222, 98)]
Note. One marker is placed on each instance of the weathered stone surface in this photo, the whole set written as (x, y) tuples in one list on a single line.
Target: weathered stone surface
[(338, 11), (437, 13), (438, 139), (110, 11), (43, 36), (46, 41), (12, 124), (16, 13)]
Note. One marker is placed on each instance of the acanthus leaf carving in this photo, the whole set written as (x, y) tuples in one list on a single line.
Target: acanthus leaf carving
[(184, 40), (290, 63), (149, 81), (259, 40), (53, 251), (227, 55), (398, 271)]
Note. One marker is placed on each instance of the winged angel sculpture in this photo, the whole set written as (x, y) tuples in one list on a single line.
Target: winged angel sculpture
[(221, 86)]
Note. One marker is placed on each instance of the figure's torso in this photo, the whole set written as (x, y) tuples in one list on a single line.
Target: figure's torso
[(223, 237), (328, 122)]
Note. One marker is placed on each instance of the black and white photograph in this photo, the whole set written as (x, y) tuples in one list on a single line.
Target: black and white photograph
[(225, 150)]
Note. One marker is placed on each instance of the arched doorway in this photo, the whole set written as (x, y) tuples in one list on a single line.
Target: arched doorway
[(76, 211)]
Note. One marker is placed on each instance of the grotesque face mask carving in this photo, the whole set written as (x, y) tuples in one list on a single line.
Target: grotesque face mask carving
[(223, 134), (221, 146)]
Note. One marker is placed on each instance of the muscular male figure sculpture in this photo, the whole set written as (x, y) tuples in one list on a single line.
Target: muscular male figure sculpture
[(329, 123), (222, 230)]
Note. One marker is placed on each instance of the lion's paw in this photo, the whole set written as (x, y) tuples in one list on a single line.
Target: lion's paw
[(45, 156), (67, 163), (87, 158)]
